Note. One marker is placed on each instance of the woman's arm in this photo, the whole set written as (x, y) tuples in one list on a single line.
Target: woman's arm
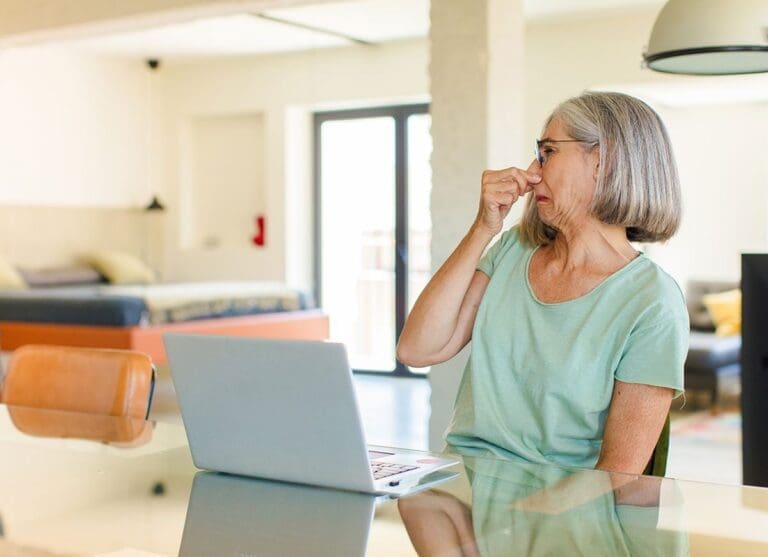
[(438, 524), (635, 420), (440, 323)]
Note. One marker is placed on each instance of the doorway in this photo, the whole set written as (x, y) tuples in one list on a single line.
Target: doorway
[(372, 227)]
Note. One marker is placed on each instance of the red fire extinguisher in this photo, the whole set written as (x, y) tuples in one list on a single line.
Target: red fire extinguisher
[(259, 239)]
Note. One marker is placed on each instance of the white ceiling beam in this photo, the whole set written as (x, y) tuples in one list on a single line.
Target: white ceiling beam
[(38, 21)]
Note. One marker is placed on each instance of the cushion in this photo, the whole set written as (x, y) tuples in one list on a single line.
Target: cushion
[(61, 276), (10, 278), (708, 352), (725, 309), (120, 267), (701, 320)]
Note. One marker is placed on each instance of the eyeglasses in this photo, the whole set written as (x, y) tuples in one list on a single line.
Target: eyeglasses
[(541, 157)]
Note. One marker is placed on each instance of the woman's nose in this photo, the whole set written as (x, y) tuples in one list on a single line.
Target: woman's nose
[(534, 166)]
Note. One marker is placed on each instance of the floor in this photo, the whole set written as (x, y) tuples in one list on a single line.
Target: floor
[(395, 413), (703, 446)]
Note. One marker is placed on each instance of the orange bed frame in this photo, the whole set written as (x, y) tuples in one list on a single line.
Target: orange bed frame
[(304, 324)]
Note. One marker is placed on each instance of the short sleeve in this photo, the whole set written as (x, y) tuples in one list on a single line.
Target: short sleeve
[(492, 256), (655, 353)]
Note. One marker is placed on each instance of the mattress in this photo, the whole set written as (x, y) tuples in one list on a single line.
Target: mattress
[(156, 304)]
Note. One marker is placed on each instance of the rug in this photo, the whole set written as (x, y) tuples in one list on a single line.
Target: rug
[(703, 427)]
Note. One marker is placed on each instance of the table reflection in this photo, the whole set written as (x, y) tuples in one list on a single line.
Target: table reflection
[(524, 509), (120, 431), (233, 515)]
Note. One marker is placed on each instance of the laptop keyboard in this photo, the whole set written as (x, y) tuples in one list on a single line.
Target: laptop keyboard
[(385, 469)]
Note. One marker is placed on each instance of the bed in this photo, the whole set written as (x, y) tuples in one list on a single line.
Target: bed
[(136, 316)]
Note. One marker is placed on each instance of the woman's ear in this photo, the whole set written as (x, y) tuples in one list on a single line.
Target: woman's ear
[(594, 159)]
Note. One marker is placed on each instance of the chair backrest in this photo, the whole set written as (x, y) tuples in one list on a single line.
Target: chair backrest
[(657, 465), (88, 380)]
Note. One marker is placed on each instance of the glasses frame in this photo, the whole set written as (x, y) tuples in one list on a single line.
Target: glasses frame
[(540, 142)]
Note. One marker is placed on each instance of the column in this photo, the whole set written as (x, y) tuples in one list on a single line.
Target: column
[(476, 73)]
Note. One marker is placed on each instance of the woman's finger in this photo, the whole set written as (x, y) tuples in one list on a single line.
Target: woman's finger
[(503, 198), (527, 175), (511, 185)]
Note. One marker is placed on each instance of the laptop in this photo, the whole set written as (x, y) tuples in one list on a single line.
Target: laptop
[(232, 515), (284, 410)]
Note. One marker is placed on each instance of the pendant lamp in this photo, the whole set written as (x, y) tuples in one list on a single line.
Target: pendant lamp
[(710, 37)]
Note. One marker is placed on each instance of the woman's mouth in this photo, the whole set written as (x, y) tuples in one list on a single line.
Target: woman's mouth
[(541, 198)]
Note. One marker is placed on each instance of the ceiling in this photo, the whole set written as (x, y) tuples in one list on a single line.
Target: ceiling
[(345, 21), (688, 91), (539, 9)]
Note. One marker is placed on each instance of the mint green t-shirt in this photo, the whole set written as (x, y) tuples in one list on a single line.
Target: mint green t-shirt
[(540, 376)]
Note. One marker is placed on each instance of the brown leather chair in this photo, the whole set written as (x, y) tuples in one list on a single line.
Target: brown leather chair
[(85, 380)]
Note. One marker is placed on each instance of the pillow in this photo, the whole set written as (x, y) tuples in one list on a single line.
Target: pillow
[(61, 276), (725, 309), (120, 267), (9, 277), (700, 318)]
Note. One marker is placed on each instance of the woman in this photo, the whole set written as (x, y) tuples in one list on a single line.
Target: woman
[(578, 339)]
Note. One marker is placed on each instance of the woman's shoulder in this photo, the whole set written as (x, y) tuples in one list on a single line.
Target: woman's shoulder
[(511, 238), (511, 235), (658, 293), (507, 248), (506, 241)]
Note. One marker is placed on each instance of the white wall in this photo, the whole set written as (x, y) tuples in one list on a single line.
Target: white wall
[(564, 57), (724, 176), (73, 130), (34, 237), (227, 190), (285, 89)]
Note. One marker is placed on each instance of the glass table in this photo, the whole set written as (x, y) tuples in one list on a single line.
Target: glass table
[(73, 484)]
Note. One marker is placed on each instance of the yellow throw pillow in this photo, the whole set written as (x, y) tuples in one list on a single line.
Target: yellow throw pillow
[(725, 309), (121, 268), (10, 278)]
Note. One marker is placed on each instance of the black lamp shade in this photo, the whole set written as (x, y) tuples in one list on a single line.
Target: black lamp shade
[(155, 205)]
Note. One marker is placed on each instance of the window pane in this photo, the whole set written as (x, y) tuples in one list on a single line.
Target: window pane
[(419, 218), (357, 251)]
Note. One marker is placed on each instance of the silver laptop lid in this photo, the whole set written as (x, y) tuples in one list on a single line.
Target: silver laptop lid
[(278, 409), (230, 515)]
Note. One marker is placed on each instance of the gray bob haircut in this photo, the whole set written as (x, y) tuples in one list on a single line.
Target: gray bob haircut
[(637, 184)]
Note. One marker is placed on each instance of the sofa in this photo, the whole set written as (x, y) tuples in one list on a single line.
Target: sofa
[(712, 359)]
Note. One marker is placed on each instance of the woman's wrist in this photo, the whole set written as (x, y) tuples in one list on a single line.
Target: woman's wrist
[(481, 233)]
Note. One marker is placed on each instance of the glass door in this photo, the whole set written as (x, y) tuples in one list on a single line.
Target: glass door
[(419, 221), (371, 166)]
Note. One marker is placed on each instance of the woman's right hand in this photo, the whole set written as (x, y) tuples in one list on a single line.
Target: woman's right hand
[(500, 190)]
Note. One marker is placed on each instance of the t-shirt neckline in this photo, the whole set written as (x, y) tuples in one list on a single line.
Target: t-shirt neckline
[(598, 286)]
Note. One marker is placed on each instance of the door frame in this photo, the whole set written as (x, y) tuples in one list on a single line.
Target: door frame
[(400, 113)]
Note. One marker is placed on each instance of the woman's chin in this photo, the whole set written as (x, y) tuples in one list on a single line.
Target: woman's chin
[(549, 220), (543, 215)]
